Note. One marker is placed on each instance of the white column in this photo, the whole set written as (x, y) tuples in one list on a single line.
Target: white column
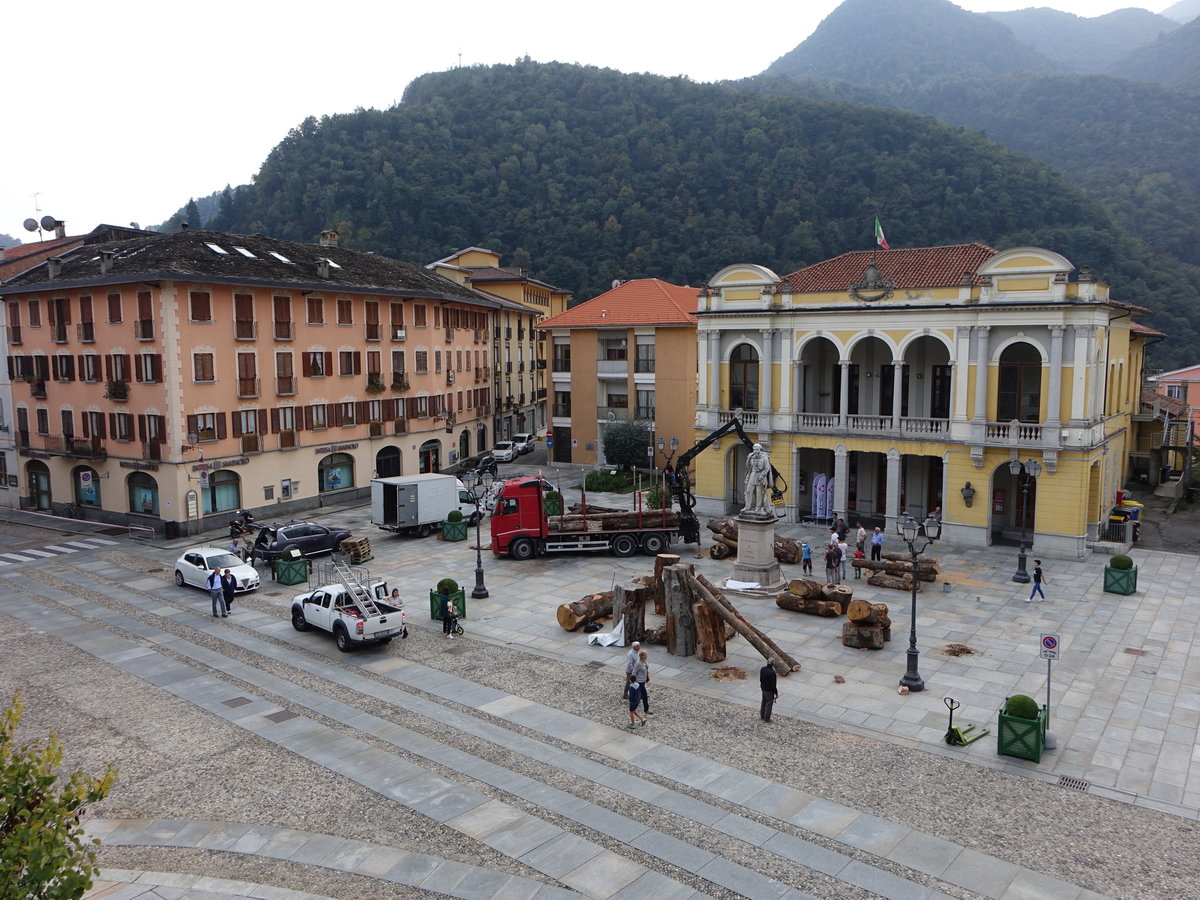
[(702, 362), (801, 386), (962, 357), (841, 480), (892, 494), (1079, 377), (897, 388), (787, 340), (714, 370), (1054, 400), (766, 381), (844, 405), (981, 372)]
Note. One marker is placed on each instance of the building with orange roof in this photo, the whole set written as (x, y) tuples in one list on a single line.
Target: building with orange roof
[(917, 380), (628, 355)]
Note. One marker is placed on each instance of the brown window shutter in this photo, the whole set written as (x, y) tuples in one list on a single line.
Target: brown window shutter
[(221, 430), (328, 362), (125, 364), (108, 368), (156, 368), (142, 428), (262, 421), (360, 411), (357, 362), (237, 425), (112, 423), (139, 367), (100, 427), (193, 424), (308, 417), (306, 365), (275, 420)]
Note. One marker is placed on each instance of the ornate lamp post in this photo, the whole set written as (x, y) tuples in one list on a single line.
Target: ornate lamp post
[(480, 484), (1028, 473), (910, 531), (663, 445)]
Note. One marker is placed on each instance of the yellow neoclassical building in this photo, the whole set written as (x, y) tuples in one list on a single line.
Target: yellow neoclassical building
[(910, 380)]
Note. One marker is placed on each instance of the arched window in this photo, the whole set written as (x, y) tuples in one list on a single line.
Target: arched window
[(335, 472), (143, 493), (39, 484), (431, 457), (387, 463), (1019, 394), (86, 485), (223, 492), (464, 444), (743, 378)]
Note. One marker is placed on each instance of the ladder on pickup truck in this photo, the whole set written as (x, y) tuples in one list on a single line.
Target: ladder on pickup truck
[(355, 582)]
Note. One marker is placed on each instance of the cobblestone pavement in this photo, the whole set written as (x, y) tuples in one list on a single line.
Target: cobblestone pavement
[(257, 761)]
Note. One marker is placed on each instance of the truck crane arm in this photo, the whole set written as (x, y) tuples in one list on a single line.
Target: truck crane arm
[(681, 490)]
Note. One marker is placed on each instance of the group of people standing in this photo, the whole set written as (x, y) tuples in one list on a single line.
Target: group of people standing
[(637, 676), (838, 554), (221, 586)]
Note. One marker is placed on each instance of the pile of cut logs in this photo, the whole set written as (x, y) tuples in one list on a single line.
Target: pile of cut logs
[(725, 538), (869, 626), (699, 617), (895, 570), (817, 599)]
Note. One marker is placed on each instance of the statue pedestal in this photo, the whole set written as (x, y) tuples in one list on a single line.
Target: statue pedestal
[(756, 552)]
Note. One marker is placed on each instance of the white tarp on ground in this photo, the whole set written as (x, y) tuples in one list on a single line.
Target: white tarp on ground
[(609, 638)]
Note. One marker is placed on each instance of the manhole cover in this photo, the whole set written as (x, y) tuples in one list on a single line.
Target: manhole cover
[(282, 716), (237, 701), (1075, 784)]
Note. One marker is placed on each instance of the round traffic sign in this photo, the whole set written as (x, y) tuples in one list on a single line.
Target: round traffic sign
[(1049, 641)]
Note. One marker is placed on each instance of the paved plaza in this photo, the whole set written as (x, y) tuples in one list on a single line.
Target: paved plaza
[(505, 778)]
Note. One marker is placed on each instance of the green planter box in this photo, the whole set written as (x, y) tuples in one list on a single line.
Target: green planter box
[(454, 531), (1120, 581), (553, 505), (458, 598), (1025, 738), (291, 571)]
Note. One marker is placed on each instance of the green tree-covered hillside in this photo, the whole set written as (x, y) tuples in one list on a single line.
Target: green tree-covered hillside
[(586, 175)]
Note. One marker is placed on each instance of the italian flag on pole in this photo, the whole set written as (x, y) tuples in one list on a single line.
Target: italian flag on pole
[(879, 238)]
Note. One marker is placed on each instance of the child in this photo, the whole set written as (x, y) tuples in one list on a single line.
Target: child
[(806, 557), (635, 697), (858, 554)]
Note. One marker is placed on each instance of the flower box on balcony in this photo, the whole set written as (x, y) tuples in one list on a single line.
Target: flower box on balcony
[(116, 390)]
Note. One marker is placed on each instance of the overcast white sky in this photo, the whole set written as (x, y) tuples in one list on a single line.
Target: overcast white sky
[(118, 112)]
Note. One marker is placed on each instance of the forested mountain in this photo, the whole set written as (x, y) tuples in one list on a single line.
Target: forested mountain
[(896, 43), (1172, 61), (1080, 44), (584, 175)]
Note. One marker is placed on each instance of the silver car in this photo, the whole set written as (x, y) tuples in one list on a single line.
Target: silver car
[(194, 567)]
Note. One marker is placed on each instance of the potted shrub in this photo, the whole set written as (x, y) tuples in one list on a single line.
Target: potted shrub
[(455, 527), (1022, 728), (375, 385), (457, 596), (553, 503), (1120, 575), (116, 390)]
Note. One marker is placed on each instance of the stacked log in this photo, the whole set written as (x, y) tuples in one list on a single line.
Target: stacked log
[(806, 596), (661, 562), (587, 609), (725, 538), (630, 599), (905, 557), (897, 582), (710, 633), (680, 598), (838, 593), (783, 663), (720, 551), (925, 571), (867, 625), (650, 518)]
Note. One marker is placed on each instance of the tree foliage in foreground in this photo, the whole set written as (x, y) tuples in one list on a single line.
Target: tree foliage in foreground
[(625, 444), (43, 853)]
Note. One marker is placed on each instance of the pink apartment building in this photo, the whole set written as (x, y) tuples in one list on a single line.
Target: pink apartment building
[(170, 380)]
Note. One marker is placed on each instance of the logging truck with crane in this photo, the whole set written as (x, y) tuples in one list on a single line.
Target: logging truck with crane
[(522, 529)]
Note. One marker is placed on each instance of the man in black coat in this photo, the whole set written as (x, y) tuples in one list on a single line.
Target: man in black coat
[(770, 691), (228, 588)]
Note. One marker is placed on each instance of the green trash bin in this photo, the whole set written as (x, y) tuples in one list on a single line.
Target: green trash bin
[(458, 598), (291, 571)]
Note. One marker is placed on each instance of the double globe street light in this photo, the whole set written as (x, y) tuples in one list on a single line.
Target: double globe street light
[(910, 530), (480, 484), (1028, 473)]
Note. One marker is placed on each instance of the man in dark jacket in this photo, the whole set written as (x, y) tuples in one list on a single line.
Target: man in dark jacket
[(770, 691)]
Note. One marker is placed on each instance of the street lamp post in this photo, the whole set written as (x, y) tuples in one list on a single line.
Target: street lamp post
[(910, 531), (662, 448), (479, 488), (1028, 473)]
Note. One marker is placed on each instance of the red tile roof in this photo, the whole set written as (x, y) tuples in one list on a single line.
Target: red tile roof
[(916, 267), (1139, 328), (643, 301)]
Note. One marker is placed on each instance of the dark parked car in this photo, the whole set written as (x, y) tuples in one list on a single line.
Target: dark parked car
[(307, 537)]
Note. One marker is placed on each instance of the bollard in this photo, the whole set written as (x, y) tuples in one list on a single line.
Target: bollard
[(946, 587)]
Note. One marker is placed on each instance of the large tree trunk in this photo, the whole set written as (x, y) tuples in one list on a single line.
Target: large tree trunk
[(839, 593), (814, 606), (720, 551), (924, 572), (725, 531), (805, 587), (656, 635), (710, 633), (661, 562), (631, 600), (907, 558), (787, 550), (712, 595), (681, 626), (862, 637), (588, 609), (649, 519), (860, 612), (899, 582)]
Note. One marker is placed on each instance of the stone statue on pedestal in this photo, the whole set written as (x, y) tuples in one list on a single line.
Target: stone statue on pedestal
[(758, 484)]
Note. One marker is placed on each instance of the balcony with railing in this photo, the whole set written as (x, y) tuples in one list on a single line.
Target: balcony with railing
[(14, 334), (69, 445), (247, 387), (613, 413), (610, 368), (283, 331), (541, 393), (400, 381), (152, 450), (143, 329), (285, 385), (86, 332), (37, 388), (58, 332), (287, 439), (245, 329), (372, 331), (252, 443)]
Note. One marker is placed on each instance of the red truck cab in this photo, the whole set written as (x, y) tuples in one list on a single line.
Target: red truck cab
[(518, 520)]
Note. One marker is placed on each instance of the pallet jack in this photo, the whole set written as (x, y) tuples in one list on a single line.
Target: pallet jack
[(961, 737)]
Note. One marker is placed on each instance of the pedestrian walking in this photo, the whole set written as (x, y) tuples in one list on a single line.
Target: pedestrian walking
[(833, 536), (631, 659), (841, 528), (1038, 580), (217, 591), (877, 543), (833, 558), (641, 675), (806, 557), (843, 558), (770, 691), (860, 538), (633, 691), (228, 589)]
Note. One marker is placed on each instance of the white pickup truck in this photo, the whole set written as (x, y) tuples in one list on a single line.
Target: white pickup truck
[(331, 608)]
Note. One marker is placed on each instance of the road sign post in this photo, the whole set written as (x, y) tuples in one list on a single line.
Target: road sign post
[(1049, 651)]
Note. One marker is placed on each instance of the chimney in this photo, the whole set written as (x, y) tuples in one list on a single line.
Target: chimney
[(323, 268), (60, 229), (329, 238), (106, 261), (54, 264)]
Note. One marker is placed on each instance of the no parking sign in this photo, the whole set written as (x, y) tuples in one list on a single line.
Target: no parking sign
[(1049, 646)]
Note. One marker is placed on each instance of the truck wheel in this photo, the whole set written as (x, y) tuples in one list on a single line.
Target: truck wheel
[(342, 638), (298, 621), (624, 545), (424, 530), (654, 543), (521, 548)]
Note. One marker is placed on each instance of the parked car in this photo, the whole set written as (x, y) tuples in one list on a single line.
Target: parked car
[(468, 466), (524, 442), (194, 567), (307, 537), (504, 451), (489, 499)]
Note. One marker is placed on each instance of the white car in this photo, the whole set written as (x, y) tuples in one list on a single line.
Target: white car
[(504, 451), (525, 442), (194, 567)]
